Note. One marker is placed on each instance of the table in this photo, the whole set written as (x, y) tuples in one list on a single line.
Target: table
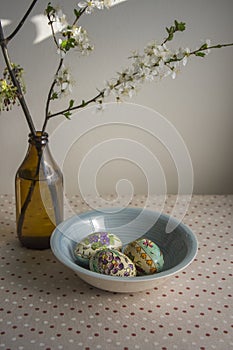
[(46, 306)]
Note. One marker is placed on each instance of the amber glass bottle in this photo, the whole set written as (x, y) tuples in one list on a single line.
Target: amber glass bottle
[(39, 194)]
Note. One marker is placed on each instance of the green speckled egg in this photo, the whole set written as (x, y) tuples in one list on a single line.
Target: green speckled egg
[(113, 263), (146, 256), (93, 242)]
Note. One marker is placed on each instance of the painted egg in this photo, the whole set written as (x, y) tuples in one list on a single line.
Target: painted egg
[(90, 244), (113, 263), (146, 256)]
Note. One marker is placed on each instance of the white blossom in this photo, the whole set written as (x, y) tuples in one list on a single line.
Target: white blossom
[(99, 106), (108, 88), (69, 36), (63, 82), (89, 6), (60, 20), (60, 51), (82, 40), (156, 62)]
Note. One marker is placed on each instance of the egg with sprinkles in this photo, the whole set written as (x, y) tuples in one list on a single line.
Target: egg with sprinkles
[(146, 255), (93, 242)]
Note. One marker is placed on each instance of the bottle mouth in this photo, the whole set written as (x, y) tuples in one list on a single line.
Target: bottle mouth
[(40, 138)]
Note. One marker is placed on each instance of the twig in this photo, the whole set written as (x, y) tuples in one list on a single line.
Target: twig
[(21, 23), (218, 46), (15, 82), (79, 14), (47, 115), (49, 96), (81, 105)]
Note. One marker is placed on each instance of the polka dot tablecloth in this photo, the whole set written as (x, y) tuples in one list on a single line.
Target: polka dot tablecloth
[(44, 305)]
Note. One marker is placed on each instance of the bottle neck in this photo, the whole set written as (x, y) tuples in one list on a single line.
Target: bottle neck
[(38, 140)]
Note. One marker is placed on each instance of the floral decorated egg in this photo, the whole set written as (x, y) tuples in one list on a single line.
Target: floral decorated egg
[(90, 244), (112, 262), (146, 256)]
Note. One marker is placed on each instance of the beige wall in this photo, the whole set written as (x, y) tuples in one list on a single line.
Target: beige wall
[(198, 103)]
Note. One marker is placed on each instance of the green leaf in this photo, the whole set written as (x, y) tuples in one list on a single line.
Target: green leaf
[(170, 30), (200, 54), (77, 13), (54, 96), (71, 103), (180, 26), (49, 9), (63, 44), (68, 44), (204, 47), (67, 114), (170, 37)]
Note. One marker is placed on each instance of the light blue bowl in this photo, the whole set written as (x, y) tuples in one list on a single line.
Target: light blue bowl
[(179, 247)]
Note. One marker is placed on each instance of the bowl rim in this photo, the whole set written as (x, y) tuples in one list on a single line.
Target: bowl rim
[(55, 247)]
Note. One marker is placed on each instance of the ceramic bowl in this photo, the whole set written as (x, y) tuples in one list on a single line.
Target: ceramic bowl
[(179, 247)]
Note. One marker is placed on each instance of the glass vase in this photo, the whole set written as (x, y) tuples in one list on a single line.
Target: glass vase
[(39, 194)]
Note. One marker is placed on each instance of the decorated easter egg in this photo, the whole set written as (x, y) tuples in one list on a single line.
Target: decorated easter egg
[(90, 244), (113, 263), (146, 256)]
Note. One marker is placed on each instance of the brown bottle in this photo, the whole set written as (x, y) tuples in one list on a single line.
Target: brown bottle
[(39, 194)]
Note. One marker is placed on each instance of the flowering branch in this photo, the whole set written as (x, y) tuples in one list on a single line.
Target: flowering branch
[(157, 61), (17, 90), (127, 84), (72, 35), (51, 96), (8, 92)]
